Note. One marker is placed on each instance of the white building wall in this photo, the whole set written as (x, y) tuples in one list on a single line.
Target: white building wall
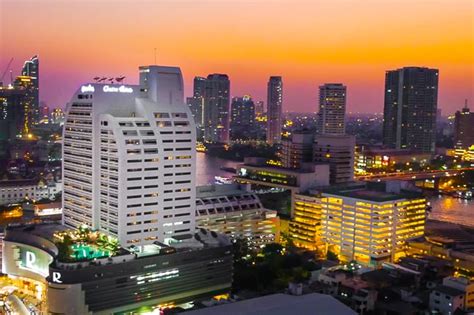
[(143, 160)]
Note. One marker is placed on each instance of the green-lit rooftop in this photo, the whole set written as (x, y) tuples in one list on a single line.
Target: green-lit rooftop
[(85, 244)]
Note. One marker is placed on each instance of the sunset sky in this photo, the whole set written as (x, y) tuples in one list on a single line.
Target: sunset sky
[(307, 42)]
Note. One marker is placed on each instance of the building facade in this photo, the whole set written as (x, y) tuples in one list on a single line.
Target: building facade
[(338, 152), (305, 228), (216, 112), (242, 125), (464, 128), (274, 109), (332, 109), (14, 114), (18, 191), (369, 225), (196, 103), (31, 69), (376, 159), (239, 214), (297, 149), (259, 108), (87, 282), (129, 159), (410, 107)]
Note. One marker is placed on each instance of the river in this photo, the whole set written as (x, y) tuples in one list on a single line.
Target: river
[(454, 210), (444, 208), (207, 167)]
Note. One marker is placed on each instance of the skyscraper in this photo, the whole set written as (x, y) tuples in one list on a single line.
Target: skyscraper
[(411, 100), (332, 108), (216, 113), (29, 111), (12, 112), (464, 128), (242, 125), (274, 109), (195, 102), (129, 159), (31, 69)]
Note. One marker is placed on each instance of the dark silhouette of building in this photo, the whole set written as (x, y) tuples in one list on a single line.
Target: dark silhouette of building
[(411, 100)]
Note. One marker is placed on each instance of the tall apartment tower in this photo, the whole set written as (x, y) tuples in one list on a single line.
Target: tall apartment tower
[(242, 125), (31, 69), (197, 100), (129, 159), (216, 113), (332, 109), (410, 107), (464, 128), (196, 104), (29, 110), (274, 109)]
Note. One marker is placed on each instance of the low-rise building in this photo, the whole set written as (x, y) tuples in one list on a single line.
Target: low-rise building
[(86, 272), (446, 300), (371, 224), (305, 226), (464, 284), (256, 171), (373, 159), (297, 149), (16, 191), (338, 152), (280, 304), (230, 210)]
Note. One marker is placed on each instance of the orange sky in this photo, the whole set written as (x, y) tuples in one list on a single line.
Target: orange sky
[(307, 42)]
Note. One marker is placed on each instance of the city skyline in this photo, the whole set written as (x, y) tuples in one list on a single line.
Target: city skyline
[(301, 50)]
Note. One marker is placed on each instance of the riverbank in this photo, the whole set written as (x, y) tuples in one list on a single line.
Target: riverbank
[(448, 231)]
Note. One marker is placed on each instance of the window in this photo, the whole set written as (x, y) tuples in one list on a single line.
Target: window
[(180, 115), (181, 123), (162, 115), (162, 124)]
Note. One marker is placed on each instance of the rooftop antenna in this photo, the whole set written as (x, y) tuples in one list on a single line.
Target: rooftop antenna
[(155, 55), (465, 103)]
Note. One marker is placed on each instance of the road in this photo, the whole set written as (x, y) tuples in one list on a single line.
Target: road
[(416, 175)]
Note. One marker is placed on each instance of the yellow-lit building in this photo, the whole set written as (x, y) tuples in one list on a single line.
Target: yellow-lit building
[(305, 227), (371, 226), (465, 154)]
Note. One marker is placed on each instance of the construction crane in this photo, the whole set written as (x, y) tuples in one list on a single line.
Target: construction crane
[(5, 71)]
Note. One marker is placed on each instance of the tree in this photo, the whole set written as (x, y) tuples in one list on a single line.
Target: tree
[(273, 249), (332, 256)]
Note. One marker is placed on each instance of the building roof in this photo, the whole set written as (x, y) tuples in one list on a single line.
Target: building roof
[(209, 191), (281, 304), (448, 290), (43, 230), (18, 182), (370, 195)]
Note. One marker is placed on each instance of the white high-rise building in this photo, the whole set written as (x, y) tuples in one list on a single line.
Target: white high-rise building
[(129, 159)]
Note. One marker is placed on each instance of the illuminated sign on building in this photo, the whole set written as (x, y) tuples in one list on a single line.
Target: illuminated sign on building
[(87, 89), (48, 211), (34, 262), (114, 89), (56, 277)]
